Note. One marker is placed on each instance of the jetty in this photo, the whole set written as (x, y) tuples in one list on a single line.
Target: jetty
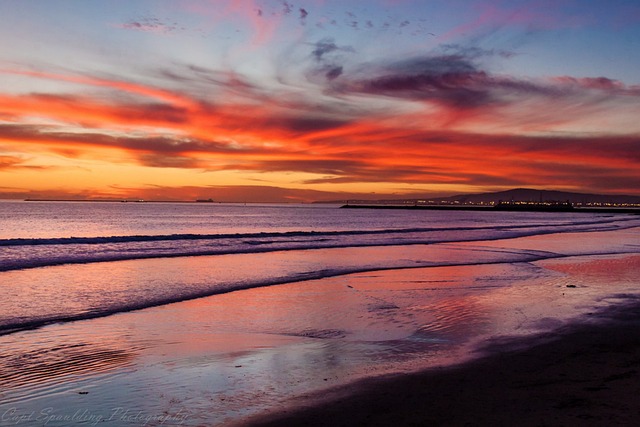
[(502, 207)]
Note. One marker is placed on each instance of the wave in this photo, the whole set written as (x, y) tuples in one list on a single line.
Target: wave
[(25, 253), (265, 235), (12, 325), (23, 256)]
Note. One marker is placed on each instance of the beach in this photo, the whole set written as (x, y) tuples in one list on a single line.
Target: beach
[(586, 373), (541, 354), (325, 317)]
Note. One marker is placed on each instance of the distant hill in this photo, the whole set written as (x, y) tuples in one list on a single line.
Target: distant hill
[(516, 195), (533, 195)]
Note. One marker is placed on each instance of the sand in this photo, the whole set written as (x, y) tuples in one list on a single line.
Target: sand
[(585, 374), (267, 356)]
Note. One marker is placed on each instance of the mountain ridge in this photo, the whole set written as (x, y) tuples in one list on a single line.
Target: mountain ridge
[(536, 195), (515, 194)]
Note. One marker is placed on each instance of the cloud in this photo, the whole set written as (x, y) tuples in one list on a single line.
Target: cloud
[(490, 17), (57, 194), (454, 78), (322, 47), (115, 85), (463, 90), (183, 113), (154, 151), (597, 83), (451, 80), (333, 72), (303, 15), (156, 160), (307, 123), (287, 8), (472, 52), (329, 58), (94, 112), (9, 161), (386, 121), (151, 25)]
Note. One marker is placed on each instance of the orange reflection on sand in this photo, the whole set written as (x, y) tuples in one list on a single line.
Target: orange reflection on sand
[(626, 268)]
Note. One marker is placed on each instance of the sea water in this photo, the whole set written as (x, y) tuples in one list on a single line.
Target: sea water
[(220, 310), (256, 245)]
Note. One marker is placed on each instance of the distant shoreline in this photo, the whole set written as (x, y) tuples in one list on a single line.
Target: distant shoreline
[(124, 201), (108, 200), (452, 207), (492, 209)]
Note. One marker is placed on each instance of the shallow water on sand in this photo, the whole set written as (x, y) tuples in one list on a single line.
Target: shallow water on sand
[(220, 358)]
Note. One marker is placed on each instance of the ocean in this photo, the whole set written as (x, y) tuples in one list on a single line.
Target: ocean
[(207, 311)]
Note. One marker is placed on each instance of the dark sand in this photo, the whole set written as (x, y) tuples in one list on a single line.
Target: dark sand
[(585, 374)]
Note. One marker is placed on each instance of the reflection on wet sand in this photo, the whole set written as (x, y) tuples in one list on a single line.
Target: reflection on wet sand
[(30, 368), (232, 355), (48, 368)]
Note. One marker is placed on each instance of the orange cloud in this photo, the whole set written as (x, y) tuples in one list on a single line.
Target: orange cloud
[(346, 137), (147, 91)]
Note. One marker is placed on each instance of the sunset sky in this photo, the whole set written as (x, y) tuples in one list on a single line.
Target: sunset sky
[(252, 100)]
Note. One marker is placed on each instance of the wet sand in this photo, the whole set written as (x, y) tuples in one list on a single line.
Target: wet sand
[(585, 373), (344, 350)]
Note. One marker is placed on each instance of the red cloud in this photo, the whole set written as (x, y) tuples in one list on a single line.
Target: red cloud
[(598, 83), (338, 140)]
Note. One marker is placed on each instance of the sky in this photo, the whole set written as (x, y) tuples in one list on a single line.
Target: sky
[(298, 101)]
